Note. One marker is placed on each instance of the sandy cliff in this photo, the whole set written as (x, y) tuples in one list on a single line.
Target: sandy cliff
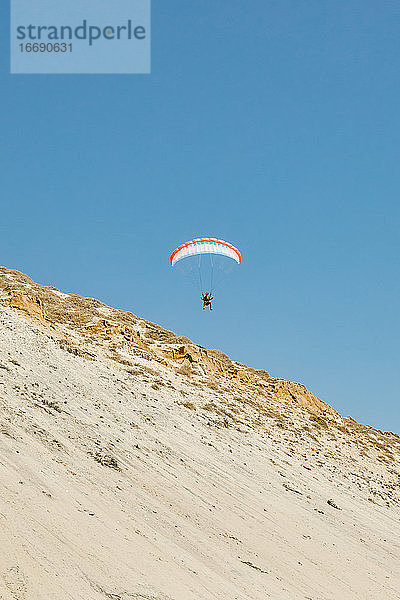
[(135, 464)]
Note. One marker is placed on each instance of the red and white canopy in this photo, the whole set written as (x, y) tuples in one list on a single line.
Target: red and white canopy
[(205, 246)]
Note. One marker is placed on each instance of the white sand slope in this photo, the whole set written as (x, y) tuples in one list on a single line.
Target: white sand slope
[(127, 476)]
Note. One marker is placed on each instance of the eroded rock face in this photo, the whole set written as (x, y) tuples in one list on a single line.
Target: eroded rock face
[(127, 336), (123, 331), (28, 303)]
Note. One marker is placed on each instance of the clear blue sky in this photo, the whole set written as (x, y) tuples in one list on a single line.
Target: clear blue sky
[(272, 124)]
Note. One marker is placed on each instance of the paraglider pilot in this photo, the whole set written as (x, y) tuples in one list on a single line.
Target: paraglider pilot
[(207, 300)]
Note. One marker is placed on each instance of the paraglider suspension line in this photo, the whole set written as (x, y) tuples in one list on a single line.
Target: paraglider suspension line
[(212, 275), (200, 278)]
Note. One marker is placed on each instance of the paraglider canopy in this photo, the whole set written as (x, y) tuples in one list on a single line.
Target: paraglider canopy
[(205, 246)]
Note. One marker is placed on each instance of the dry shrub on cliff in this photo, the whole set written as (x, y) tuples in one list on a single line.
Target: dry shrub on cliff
[(185, 369), (187, 404)]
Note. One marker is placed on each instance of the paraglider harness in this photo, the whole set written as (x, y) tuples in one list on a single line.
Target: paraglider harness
[(207, 300)]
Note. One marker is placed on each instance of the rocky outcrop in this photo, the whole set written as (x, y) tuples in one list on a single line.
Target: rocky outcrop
[(30, 304)]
